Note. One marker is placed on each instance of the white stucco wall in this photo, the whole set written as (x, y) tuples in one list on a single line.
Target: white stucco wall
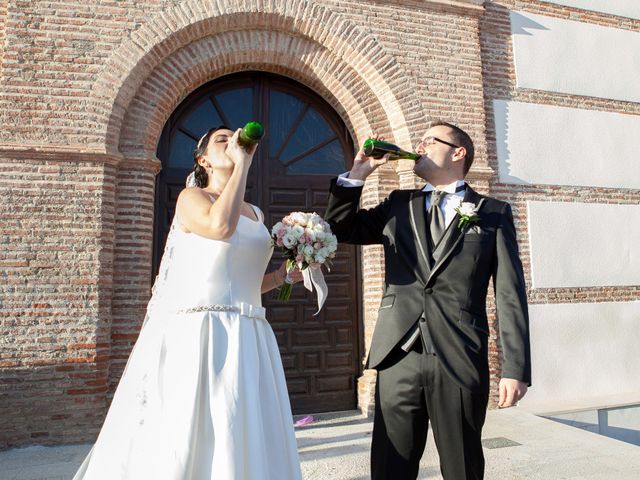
[(545, 144), (583, 351), (578, 58), (584, 355), (623, 8), (584, 244)]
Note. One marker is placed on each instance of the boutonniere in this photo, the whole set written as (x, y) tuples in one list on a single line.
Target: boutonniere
[(468, 212)]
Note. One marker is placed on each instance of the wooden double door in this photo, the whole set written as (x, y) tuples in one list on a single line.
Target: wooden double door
[(306, 144)]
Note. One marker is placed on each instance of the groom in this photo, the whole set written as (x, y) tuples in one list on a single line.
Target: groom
[(430, 342)]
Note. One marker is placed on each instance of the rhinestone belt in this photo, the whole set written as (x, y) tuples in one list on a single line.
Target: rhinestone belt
[(243, 308)]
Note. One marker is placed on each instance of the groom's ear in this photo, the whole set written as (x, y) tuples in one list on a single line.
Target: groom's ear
[(458, 158), (459, 155)]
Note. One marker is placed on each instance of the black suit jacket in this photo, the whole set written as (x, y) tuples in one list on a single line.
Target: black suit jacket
[(450, 291)]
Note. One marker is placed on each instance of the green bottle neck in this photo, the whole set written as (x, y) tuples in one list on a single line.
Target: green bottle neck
[(378, 148)]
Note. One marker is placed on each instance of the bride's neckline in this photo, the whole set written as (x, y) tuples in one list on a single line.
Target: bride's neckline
[(251, 219)]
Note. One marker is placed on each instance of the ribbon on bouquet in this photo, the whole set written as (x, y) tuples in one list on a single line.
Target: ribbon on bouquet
[(313, 277)]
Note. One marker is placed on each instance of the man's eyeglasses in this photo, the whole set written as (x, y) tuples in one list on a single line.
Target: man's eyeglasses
[(431, 140)]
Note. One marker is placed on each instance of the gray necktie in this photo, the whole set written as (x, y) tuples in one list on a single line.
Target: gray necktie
[(436, 217)]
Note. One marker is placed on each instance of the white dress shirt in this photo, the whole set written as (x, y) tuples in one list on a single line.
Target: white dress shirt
[(448, 204)]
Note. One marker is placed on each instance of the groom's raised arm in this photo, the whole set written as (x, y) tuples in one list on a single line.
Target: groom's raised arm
[(348, 223)]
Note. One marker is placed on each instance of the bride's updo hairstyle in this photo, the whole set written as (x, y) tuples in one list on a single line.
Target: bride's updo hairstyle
[(201, 176)]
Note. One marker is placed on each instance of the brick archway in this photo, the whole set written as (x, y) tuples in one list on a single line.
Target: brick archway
[(356, 60), (227, 53), (148, 76)]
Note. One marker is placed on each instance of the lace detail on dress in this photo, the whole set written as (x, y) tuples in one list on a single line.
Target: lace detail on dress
[(141, 397), (165, 263)]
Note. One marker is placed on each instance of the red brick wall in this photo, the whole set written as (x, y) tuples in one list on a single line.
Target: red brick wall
[(54, 52), (3, 36), (132, 260), (57, 215)]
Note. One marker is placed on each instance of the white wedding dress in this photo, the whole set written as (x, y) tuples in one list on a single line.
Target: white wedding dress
[(203, 395)]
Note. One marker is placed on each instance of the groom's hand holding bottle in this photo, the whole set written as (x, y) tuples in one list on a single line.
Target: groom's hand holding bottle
[(364, 166)]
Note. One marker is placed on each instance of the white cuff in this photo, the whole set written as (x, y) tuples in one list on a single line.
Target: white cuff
[(345, 181)]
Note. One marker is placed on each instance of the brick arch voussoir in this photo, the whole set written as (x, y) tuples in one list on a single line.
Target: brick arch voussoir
[(132, 64), (213, 57)]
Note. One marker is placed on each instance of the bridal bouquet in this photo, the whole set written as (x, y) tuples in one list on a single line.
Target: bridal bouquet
[(308, 243)]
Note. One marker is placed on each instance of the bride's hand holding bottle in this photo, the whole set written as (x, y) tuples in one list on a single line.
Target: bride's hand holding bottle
[(240, 155)]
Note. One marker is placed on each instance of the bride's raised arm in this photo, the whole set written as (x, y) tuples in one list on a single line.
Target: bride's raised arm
[(227, 165)]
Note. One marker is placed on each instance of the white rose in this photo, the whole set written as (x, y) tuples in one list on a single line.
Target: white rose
[(308, 250), (311, 234), (299, 218), (289, 240), (297, 231), (320, 258), (468, 209)]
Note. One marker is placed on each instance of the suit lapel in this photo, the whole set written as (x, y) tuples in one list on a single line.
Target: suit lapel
[(418, 216), (453, 235)]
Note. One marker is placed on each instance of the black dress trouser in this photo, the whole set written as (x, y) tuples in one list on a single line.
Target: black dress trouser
[(411, 390)]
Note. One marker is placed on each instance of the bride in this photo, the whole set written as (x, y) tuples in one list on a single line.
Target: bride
[(203, 395)]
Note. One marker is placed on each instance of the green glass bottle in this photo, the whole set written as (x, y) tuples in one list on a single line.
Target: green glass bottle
[(251, 134), (378, 148)]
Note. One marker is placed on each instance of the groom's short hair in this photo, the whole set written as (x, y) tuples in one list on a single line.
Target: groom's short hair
[(462, 138)]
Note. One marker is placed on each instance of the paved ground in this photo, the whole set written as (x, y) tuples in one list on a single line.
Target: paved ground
[(518, 445)]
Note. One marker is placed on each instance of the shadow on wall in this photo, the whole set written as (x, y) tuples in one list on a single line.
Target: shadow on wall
[(495, 37), (506, 166), (521, 24), (56, 404), (622, 423)]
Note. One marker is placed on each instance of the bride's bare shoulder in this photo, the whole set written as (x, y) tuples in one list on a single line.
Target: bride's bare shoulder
[(194, 196)]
